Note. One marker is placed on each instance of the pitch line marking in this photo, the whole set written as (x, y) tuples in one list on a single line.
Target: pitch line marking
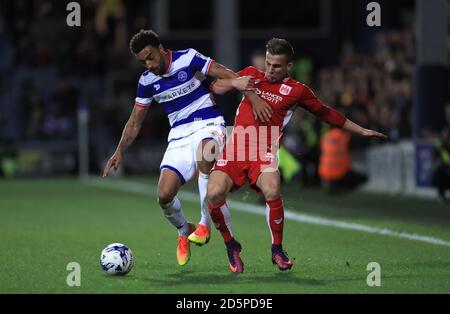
[(140, 188)]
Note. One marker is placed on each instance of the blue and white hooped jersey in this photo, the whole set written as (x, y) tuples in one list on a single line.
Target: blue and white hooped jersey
[(180, 89)]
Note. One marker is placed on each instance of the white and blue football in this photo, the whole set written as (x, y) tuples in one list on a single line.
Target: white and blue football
[(116, 259)]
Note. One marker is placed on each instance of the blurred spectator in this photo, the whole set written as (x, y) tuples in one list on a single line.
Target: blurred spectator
[(57, 125), (6, 49), (388, 122), (441, 172), (302, 140), (66, 97), (377, 83), (288, 164), (110, 22), (8, 159), (90, 55), (32, 108), (60, 63), (302, 70), (335, 167), (447, 114), (259, 59)]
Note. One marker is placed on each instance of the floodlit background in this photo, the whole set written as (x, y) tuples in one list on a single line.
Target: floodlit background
[(66, 93)]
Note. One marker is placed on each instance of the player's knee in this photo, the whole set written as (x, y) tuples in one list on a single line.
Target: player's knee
[(165, 199), (205, 166), (271, 192), (215, 194)]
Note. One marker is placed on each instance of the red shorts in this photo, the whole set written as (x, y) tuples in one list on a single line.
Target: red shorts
[(240, 170)]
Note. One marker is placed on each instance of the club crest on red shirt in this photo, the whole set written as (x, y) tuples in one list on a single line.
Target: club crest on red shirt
[(285, 90), (222, 162)]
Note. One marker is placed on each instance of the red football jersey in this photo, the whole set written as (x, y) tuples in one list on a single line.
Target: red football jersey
[(283, 97)]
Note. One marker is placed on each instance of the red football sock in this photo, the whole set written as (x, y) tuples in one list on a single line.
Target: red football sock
[(221, 217), (275, 219)]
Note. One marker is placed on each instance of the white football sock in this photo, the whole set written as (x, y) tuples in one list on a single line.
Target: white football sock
[(175, 216), (202, 189)]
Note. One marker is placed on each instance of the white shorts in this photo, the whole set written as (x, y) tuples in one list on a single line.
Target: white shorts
[(181, 153)]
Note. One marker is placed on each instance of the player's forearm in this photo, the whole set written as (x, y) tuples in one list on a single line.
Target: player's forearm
[(251, 95), (221, 72), (222, 86), (254, 99), (130, 131), (242, 84), (353, 127), (225, 78), (132, 128)]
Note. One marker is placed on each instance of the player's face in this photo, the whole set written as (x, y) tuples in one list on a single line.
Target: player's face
[(277, 67), (154, 59)]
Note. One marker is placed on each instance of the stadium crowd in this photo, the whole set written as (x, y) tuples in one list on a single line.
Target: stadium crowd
[(47, 73)]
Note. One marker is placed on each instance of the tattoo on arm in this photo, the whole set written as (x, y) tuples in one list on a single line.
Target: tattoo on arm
[(137, 117), (132, 128)]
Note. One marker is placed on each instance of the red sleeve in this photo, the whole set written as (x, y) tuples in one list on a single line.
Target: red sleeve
[(310, 102)]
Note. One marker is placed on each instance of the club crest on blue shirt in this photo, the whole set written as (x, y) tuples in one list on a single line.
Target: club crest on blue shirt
[(182, 76)]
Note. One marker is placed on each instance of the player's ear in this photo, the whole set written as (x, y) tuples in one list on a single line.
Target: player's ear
[(289, 66), (161, 48)]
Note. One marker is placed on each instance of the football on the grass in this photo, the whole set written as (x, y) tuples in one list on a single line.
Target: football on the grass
[(116, 259)]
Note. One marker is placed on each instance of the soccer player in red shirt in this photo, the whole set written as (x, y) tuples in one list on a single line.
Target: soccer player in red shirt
[(251, 151)]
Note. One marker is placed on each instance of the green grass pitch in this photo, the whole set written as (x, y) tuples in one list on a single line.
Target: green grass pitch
[(45, 224)]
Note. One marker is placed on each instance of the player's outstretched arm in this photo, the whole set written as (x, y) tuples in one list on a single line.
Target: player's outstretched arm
[(310, 102), (242, 84), (130, 131), (227, 80), (245, 84), (355, 128)]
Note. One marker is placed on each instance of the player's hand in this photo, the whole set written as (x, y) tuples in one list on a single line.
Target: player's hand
[(372, 133), (113, 162), (244, 83), (261, 109)]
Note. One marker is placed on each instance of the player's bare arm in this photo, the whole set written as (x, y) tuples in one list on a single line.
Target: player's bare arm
[(333, 117), (220, 71), (261, 110), (241, 83), (355, 128), (130, 131), (228, 80)]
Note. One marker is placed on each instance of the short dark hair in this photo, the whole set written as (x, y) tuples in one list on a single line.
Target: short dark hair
[(142, 39), (279, 46)]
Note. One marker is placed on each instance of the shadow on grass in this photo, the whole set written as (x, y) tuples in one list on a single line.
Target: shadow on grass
[(188, 277), (273, 281)]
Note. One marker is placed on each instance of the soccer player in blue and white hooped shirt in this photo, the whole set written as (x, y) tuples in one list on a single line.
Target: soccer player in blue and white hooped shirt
[(174, 80)]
